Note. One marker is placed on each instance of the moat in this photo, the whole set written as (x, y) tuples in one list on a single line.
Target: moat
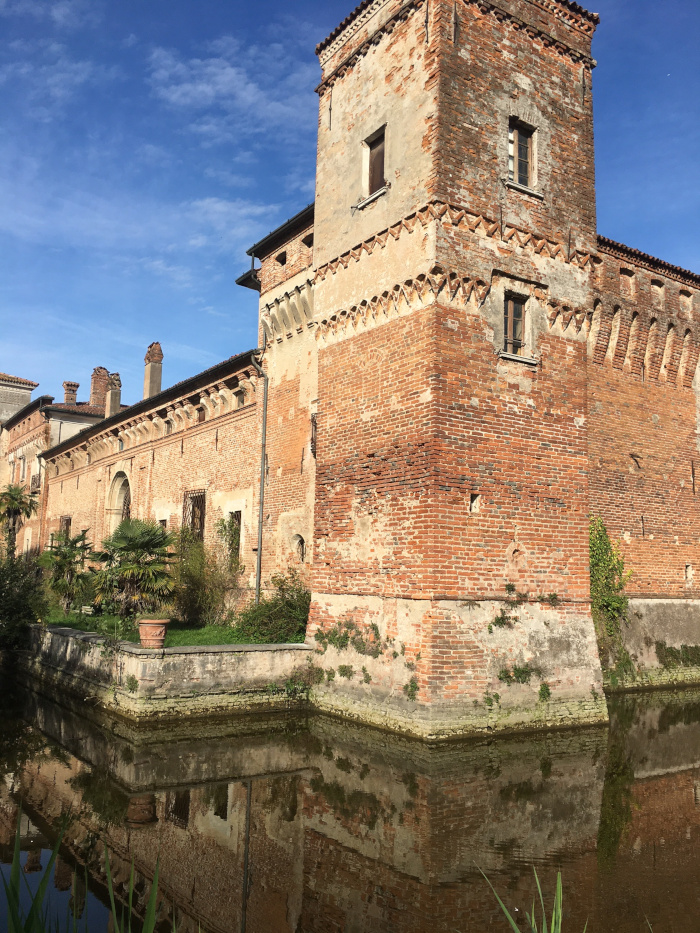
[(294, 825)]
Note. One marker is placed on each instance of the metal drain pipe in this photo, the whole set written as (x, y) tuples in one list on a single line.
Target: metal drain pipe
[(263, 457)]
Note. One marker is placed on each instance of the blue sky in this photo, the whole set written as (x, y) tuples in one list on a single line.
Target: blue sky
[(145, 144)]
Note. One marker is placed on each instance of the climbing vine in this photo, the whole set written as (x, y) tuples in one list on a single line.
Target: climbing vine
[(609, 604)]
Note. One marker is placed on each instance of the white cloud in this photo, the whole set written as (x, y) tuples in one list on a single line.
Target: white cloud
[(239, 90), (64, 14), (45, 76)]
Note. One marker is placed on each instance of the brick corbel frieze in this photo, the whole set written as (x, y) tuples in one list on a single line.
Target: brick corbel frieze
[(403, 13), (426, 288), (463, 218), (485, 6)]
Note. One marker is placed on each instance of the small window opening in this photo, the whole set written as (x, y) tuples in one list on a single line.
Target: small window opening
[(376, 163), (308, 240), (282, 258), (240, 399), (201, 415), (314, 434), (688, 573), (513, 321), (64, 525), (163, 522), (177, 807), (121, 444), (168, 428), (474, 502), (300, 548), (520, 154), (219, 801)]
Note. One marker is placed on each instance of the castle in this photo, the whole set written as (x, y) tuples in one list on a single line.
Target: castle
[(456, 371)]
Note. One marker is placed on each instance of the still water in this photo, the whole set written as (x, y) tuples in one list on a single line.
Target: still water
[(319, 826)]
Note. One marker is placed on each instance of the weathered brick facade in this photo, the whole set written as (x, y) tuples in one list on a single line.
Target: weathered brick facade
[(415, 468), (445, 468)]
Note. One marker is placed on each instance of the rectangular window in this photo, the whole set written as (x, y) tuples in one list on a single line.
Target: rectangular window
[(64, 525), (376, 163), (513, 324), (520, 154), (235, 523), (177, 807), (194, 512)]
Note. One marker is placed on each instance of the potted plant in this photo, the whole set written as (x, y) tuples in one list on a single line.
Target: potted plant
[(135, 575)]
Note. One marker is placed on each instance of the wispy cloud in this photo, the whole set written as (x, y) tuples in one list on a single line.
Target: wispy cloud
[(64, 14), (238, 90)]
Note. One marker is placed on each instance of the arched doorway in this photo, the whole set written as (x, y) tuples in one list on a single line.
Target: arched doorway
[(119, 503)]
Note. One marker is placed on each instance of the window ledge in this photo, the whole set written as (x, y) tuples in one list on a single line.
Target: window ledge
[(365, 202), (525, 190), (514, 358)]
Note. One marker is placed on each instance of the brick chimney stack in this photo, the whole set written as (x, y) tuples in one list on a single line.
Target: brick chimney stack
[(154, 371), (98, 387), (70, 393), (114, 395)]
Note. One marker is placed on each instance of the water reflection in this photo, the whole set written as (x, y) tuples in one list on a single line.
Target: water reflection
[(311, 826)]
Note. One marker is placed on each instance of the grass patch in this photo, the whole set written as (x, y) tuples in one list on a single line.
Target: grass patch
[(180, 634)]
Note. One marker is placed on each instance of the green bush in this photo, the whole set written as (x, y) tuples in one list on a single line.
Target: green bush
[(68, 579), (22, 599), (279, 618), (207, 579)]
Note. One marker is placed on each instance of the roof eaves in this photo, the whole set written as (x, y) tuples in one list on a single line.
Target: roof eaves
[(155, 401), (263, 247), (568, 4), (19, 380), (43, 401)]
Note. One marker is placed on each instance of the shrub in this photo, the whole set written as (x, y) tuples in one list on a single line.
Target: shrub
[(65, 560), (22, 599), (207, 580), (281, 617)]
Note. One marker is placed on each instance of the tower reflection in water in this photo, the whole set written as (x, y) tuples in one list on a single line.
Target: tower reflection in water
[(318, 825)]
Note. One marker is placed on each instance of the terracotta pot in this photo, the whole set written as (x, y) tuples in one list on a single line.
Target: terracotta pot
[(152, 632), (141, 811)]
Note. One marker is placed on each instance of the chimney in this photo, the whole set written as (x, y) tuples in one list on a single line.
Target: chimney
[(98, 387), (154, 371), (70, 393), (114, 395)]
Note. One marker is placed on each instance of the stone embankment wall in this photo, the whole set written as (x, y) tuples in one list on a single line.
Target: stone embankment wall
[(141, 683)]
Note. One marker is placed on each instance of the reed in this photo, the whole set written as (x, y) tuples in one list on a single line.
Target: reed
[(31, 913), (554, 926)]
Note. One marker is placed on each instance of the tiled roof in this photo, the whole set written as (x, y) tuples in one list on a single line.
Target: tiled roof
[(81, 408), (568, 4), (23, 382), (636, 255)]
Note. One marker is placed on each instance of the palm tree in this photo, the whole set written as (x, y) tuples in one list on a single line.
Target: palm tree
[(15, 506), (135, 572), (65, 561)]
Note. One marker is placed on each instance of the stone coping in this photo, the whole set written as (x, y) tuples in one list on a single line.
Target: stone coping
[(129, 647)]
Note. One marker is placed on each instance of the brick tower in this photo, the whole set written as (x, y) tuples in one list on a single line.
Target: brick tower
[(454, 220)]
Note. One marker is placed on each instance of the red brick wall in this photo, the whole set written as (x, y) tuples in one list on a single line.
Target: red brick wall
[(642, 417), (491, 68)]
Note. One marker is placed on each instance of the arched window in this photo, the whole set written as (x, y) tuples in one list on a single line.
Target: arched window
[(299, 546), (119, 501)]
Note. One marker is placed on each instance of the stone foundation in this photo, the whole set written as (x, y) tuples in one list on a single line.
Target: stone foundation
[(145, 684), (656, 633)]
